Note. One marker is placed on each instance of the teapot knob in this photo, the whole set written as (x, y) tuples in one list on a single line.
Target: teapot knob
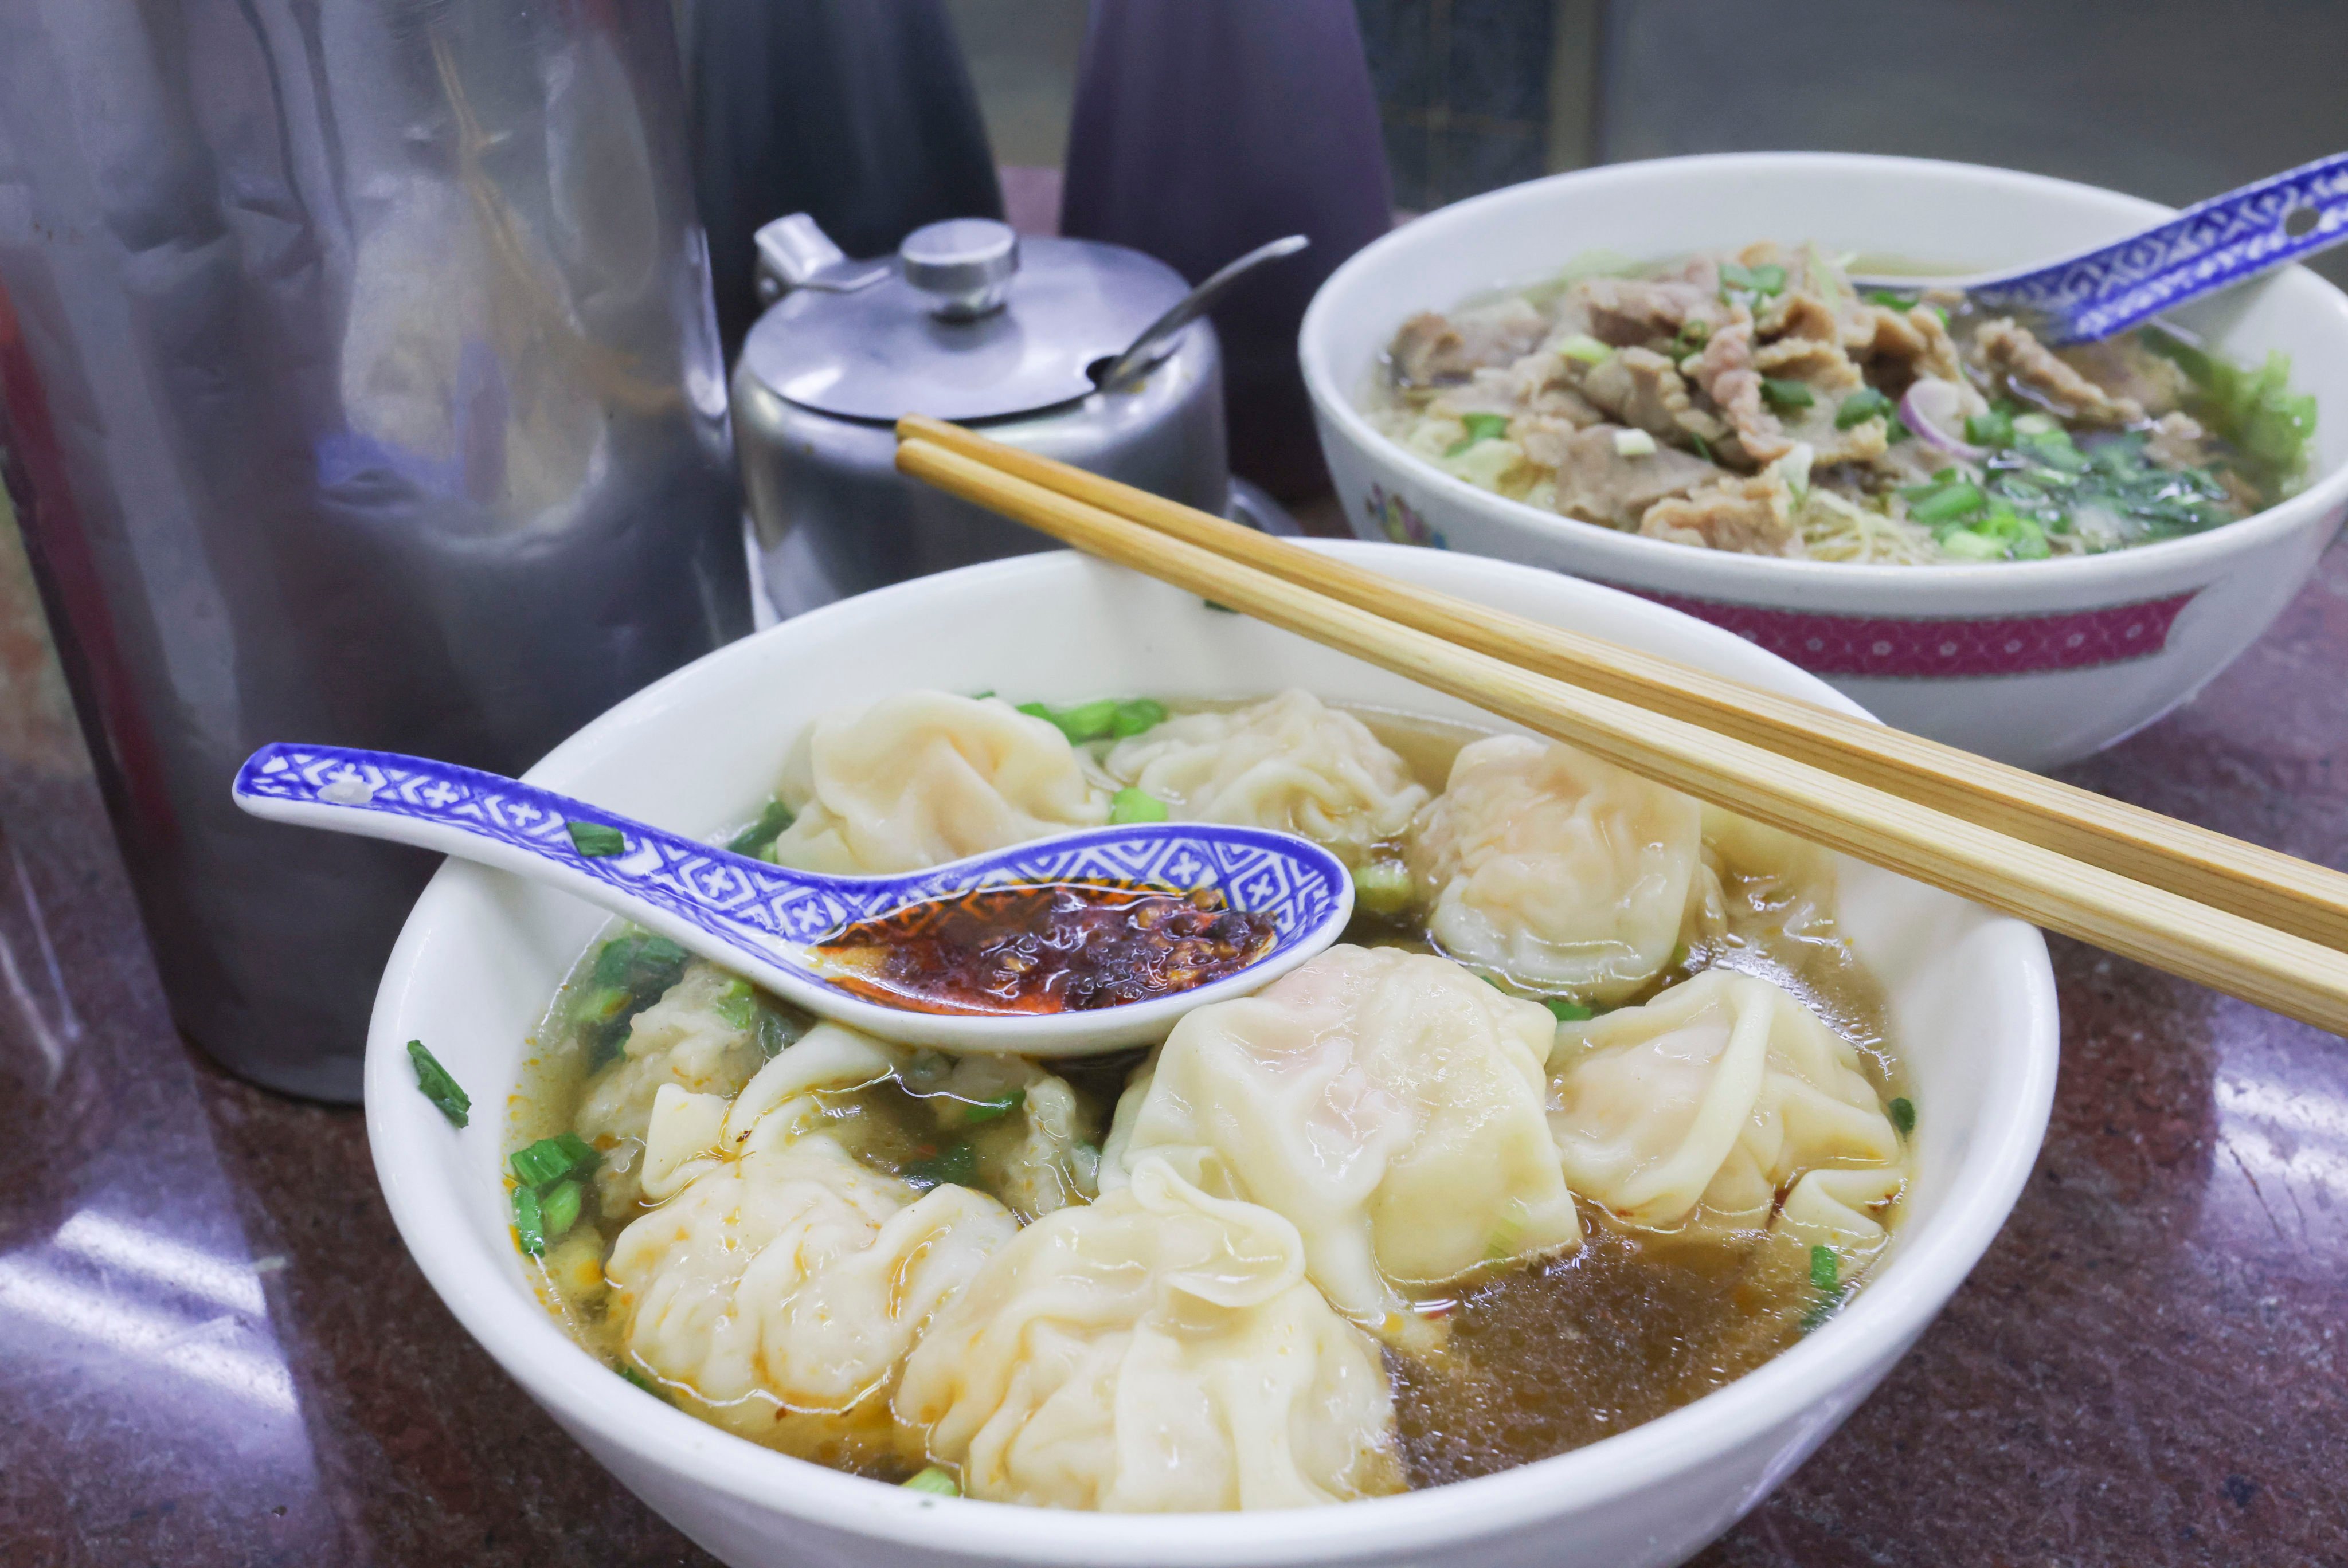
[(963, 264)]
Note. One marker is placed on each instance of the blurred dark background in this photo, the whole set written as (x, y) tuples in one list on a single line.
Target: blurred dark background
[(2172, 99)]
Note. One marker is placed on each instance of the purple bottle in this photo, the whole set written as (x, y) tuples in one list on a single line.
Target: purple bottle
[(1205, 127)]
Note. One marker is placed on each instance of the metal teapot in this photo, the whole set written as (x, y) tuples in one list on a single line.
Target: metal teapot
[(1089, 352)]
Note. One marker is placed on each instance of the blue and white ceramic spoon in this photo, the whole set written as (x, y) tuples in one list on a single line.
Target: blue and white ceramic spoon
[(2208, 247), (759, 919)]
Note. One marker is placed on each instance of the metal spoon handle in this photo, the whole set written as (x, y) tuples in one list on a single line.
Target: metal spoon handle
[(1152, 344), (2210, 246)]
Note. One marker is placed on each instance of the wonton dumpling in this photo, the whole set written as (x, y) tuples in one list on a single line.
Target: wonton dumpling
[(1054, 1163), (1388, 1105), (1039, 1157), (1290, 762), (924, 778), (795, 1273), (682, 1040), (1043, 1157), (1831, 1208), (1718, 1094), (690, 1132), (1559, 871), (1157, 1351), (786, 1272)]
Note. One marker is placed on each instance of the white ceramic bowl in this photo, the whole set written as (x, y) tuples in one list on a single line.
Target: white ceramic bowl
[(1972, 995), (2035, 663)]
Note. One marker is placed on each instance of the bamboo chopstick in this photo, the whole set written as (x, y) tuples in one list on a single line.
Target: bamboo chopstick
[(2259, 884), (2258, 963)]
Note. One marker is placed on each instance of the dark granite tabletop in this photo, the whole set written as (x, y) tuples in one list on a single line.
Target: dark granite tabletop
[(213, 1349)]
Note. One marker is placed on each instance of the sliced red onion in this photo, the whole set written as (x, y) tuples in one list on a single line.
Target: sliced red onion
[(1933, 408)]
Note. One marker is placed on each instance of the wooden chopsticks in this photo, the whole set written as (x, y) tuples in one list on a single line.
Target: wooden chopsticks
[(2245, 920)]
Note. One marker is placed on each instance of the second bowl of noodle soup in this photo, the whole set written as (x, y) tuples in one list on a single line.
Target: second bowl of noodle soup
[(2082, 562), (1464, 1293)]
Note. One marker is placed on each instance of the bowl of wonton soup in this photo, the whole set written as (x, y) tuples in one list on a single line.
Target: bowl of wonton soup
[(2032, 662), (1968, 994)]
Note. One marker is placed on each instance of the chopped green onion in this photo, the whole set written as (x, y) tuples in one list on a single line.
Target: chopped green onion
[(2036, 423), (529, 1222), (596, 840), (638, 961), (558, 1208), (1581, 346), (1826, 1269), (1782, 394), (1861, 406), (1104, 719), (1766, 279), (1134, 717), (937, 1479), (551, 1159), (1888, 300), (1568, 1011), (1945, 502), (1480, 427), (1903, 1115), (769, 826), (639, 1380), (1693, 333), (776, 1030), (2255, 409), (977, 1110), (1382, 888), (1218, 609), (1633, 444), (737, 1004), (438, 1086), (1992, 429), (1702, 447), (2121, 457), (1087, 720), (955, 1165), (1131, 804), (2053, 448), (1966, 545), (1895, 433), (603, 1004), (1060, 720), (630, 974)]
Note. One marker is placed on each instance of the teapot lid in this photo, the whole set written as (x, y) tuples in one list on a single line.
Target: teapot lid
[(968, 322)]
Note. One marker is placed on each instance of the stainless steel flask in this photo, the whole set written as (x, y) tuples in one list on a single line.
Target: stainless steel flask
[(357, 384)]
